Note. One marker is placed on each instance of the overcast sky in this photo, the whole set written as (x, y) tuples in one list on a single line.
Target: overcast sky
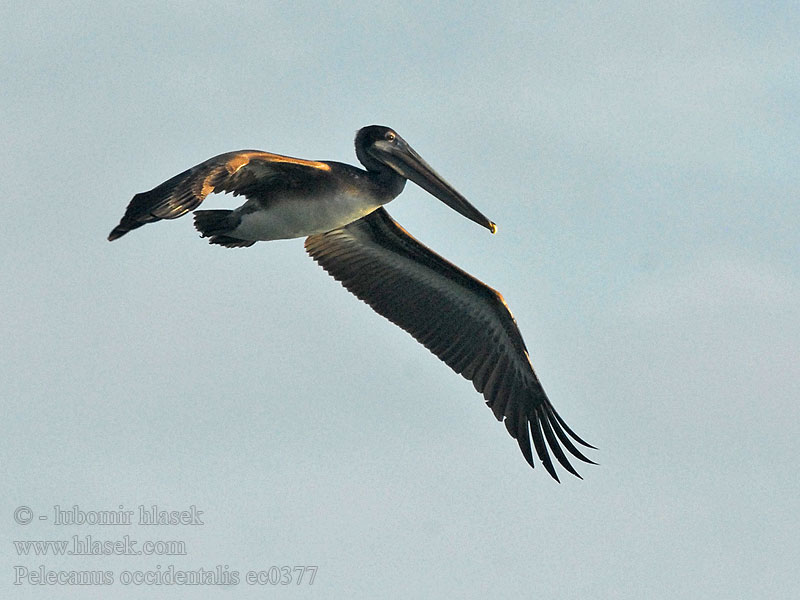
[(641, 162)]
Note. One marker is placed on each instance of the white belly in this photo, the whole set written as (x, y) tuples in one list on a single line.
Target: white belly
[(292, 218)]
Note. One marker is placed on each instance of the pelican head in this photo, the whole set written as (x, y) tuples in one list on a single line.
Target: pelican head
[(379, 147)]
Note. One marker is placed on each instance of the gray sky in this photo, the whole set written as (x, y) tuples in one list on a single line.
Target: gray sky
[(642, 165)]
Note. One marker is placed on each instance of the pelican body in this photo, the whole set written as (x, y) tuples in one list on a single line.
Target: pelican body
[(338, 208)]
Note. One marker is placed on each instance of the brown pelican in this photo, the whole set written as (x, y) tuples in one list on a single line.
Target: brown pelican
[(339, 209)]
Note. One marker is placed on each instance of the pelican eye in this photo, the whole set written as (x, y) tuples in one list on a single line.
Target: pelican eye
[(390, 136)]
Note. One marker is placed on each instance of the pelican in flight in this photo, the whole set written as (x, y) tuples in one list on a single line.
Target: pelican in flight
[(338, 208)]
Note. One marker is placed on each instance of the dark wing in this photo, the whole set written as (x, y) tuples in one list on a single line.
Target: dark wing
[(461, 320), (247, 172)]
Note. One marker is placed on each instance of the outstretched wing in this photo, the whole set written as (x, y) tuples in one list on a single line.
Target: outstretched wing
[(461, 320), (251, 173)]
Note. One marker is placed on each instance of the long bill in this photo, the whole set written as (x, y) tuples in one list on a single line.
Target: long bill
[(404, 159)]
